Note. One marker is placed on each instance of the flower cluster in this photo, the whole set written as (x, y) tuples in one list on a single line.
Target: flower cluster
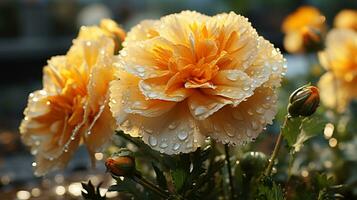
[(177, 81), (72, 107)]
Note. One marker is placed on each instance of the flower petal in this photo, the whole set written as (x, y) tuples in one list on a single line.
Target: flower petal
[(155, 88), (202, 105), (233, 84), (154, 55), (127, 98), (239, 125), (173, 132)]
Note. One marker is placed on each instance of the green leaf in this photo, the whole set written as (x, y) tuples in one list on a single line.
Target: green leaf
[(310, 127), (127, 186), (298, 130), (160, 177), (179, 177), (266, 192), (90, 192), (291, 130)]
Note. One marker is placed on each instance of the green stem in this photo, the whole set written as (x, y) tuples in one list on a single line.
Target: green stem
[(226, 150), (147, 184), (276, 150)]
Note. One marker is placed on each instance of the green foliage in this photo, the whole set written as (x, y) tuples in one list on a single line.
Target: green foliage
[(90, 192), (300, 129), (269, 190)]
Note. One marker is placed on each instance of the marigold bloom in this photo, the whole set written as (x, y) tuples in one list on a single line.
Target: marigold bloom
[(73, 105), (188, 76), (303, 29), (340, 59), (346, 19)]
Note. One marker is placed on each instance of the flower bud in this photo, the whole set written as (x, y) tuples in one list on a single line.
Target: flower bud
[(304, 101), (254, 162), (121, 163)]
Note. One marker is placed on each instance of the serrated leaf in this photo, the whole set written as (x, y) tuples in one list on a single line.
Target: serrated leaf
[(160, 177), (127, 186), (265, 192), (310, 127), (90, 192), (291, 130), (298, 130)]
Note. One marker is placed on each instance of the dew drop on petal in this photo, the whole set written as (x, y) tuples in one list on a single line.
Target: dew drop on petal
[(259, 110), (232, 77), (189, 145), (173, 125), (163, 145), (246, 88), (152, 141), (275, 68), (182, 135), (200, 110), (176, 146)]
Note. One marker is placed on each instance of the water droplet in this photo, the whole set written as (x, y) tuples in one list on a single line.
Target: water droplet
[(140, 69), (163, 145), (152, 95), (48, 103), (176, 146), (34, 164), (259, 110), (34, 151), (89, 132), (173, 125), (113, 101), (246, 88), (275, 68), (250, 112), (73, 138), (200, 110), (152, 140), (146, 87), (189, 145), (182, 135), (232, 76)]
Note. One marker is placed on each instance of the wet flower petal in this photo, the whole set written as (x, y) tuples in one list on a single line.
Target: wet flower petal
[(72, 108), (194, 72)]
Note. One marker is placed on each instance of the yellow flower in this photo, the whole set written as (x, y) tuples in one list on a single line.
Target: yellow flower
[(340, 59), (189, 76), (346, 19), (72, 107), (303, 29)]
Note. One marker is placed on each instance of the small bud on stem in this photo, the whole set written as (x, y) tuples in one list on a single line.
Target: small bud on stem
[(304, 101)]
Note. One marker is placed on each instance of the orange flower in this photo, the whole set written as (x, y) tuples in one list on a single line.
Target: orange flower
[(73, 106), (303, 29), (340, 59), (346, 19), (189, 76)]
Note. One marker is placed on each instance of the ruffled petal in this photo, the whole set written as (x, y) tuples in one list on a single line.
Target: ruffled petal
[(127, 98), (243, 123), (173, 132)]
